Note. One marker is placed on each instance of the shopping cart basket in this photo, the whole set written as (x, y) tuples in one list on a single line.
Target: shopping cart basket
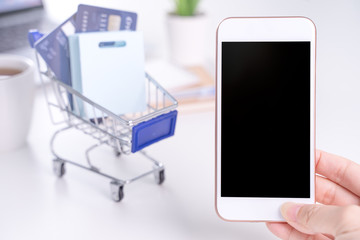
[(125, 134)]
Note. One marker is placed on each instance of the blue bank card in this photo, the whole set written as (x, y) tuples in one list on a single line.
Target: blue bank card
[(95, 19), (54, 49)]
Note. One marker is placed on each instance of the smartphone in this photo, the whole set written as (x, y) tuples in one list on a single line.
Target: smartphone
[(265, 116)]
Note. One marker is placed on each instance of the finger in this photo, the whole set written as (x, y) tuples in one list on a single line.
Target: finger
[(340, 170), (287, 232), (330, 193), (316, 218)]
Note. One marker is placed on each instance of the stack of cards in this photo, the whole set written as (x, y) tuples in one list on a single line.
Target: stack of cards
[(96, 67)]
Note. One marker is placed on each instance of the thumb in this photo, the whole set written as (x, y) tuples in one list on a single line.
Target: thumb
[(315, 218)]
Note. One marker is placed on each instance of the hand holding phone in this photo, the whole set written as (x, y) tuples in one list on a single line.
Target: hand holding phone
[(338, 214)]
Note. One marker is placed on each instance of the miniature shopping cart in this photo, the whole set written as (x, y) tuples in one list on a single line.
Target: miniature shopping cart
[(125, 134)]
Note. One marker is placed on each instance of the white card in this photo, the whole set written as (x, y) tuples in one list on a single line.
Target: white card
[(108, 68)]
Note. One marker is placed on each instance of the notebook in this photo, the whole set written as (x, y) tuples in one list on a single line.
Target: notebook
[(109, 69)]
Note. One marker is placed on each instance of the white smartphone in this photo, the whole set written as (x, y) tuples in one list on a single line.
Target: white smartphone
[(265, 116)]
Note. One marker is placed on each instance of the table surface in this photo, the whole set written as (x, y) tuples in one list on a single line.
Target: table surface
[(35, 204)]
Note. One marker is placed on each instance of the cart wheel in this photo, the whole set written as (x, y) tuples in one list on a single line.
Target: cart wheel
[(117, 191), (59, 167), (160, 176)]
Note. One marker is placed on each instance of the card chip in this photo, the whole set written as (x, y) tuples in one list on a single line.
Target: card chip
[(114, 22)]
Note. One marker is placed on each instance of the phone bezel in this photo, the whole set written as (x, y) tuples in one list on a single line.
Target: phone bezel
[(258, 29)]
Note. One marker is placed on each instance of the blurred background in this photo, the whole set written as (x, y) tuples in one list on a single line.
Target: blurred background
[(338, 51), (36, 205)]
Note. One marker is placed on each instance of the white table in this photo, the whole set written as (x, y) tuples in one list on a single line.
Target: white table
[(35, 204)]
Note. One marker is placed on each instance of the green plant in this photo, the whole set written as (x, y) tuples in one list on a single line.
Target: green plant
[(186, 7)]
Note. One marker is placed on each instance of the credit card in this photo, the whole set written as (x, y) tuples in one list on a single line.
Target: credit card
[(54, 49), (94, 19)]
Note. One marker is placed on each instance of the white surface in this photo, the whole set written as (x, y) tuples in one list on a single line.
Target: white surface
[(259, 30), (36, 205), (78, 206)]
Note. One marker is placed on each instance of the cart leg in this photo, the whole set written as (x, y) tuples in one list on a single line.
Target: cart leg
[(88, 157), (117, 191), (59, 167), (117, 152)]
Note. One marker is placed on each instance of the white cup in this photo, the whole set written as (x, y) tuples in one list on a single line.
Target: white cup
[(17, 88), (187, 36)]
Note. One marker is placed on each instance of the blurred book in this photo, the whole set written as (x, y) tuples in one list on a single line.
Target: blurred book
[(171, 77), (193, 87)]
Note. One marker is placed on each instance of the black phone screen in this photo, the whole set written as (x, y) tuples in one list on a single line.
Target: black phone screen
[(265, 119)]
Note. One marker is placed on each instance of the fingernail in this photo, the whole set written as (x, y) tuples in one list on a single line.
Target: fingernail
[(290, 211)]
